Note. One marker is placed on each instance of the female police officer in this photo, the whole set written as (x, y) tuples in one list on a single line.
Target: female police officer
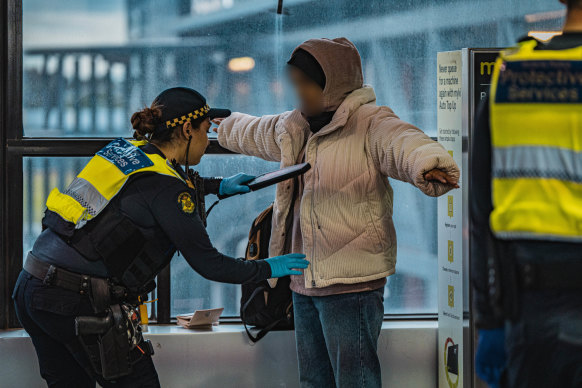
[(111, 232)]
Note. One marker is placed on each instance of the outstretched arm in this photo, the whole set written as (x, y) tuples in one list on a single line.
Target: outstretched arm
[(402, 151), (256, 136), (172, 210)]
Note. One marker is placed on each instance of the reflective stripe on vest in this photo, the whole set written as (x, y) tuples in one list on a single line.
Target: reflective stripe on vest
[(536, 135), (102, 178), (537, 162)]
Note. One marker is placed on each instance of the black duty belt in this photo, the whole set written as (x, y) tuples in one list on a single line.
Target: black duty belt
[(551, 275), (102, 291), (59, 277)]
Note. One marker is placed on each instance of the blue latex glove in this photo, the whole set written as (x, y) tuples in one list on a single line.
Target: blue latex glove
[(287, 264), (235, 184), (490, 359)]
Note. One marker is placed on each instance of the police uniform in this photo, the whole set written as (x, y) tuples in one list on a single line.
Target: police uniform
[(526, 211), (105, 239)]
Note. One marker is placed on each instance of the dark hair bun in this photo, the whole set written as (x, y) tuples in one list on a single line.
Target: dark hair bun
[(145, 121)]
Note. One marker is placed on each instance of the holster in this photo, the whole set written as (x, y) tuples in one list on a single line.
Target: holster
[(106, 342)]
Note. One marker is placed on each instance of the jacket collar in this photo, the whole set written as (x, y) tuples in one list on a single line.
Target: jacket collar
[(351, 103), (297, 128)]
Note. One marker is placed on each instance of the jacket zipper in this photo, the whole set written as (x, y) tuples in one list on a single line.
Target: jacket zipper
[(313, 283), (317, 181), (311, 267)]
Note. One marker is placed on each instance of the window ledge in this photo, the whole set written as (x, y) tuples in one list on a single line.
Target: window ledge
[(239, 328), (157, 330), (223, 355)]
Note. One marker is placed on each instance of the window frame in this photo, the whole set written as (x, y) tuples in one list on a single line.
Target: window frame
[(14, 146)]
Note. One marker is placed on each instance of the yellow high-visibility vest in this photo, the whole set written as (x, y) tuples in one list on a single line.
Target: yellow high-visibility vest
[(536, 137), (102, 178)]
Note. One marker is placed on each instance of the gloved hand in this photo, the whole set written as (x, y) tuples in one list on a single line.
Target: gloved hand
[(286, 264), (235, 184), (490, 359)]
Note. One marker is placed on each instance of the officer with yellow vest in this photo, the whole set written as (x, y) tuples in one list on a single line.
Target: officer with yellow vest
[(526, 215), (107, 236)]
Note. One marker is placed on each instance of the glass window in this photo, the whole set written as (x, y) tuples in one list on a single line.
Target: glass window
[(228, 227), (413, 288), (88, 65)]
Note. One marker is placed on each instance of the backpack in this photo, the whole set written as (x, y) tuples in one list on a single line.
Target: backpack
[(263, 306)]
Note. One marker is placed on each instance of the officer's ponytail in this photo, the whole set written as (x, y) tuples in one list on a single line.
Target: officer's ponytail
[(148, 125), (145, 122)]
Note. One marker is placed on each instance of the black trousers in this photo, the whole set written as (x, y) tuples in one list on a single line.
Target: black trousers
[(544, 345), (47, 313)]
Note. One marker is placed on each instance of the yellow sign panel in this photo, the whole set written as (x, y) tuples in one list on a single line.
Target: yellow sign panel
[(451, 296), (450, 206), (451, 251)]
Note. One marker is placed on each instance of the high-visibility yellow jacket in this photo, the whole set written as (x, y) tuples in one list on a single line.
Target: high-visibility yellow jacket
[(102, 178), (536, 136)]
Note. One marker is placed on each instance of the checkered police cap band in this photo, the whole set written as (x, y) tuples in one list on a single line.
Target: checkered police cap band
[(190, 116)]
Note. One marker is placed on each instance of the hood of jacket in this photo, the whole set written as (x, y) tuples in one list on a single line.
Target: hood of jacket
[(341, 63)]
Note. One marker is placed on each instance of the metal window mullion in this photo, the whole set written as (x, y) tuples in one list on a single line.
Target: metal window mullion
[(12, 213), (3, 105), (10, 163), (12, 116)]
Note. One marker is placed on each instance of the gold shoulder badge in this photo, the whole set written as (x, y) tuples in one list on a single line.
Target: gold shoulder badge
[(185, 203)]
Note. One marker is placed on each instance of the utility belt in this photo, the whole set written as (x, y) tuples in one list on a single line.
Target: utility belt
[(510, 277), (112, 338), (550, 276)]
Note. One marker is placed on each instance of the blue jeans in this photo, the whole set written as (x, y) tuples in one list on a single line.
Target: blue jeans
[(47, 313), (337, 339)]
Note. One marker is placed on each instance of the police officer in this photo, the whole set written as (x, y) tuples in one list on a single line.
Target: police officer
[(527, 215), (111, 232)]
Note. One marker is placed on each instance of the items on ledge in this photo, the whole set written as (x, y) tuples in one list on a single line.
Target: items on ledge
[(200, 319)]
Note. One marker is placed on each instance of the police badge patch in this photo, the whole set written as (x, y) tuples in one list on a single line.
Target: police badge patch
[(185, 203)]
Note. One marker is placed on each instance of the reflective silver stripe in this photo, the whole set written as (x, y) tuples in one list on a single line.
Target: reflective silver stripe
[(87, 195), (537, 162), (536, 236)]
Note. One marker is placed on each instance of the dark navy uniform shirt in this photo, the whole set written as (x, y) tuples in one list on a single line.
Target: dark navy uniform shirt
[(156, 201)]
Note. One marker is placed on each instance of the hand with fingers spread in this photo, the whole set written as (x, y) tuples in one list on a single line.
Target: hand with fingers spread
[(442, 177), (287, 264)]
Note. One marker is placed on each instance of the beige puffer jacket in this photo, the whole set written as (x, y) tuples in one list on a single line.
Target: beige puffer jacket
[(346, 204)]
